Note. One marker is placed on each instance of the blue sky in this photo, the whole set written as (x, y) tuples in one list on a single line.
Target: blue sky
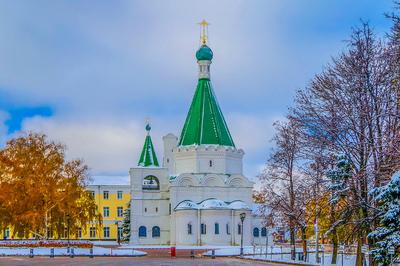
[(89, 73)]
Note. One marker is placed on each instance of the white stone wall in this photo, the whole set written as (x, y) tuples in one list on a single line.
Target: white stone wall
[(208, 159), (150, 208)]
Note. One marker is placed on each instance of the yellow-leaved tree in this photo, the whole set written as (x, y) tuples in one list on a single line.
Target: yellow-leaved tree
[(40, 191)]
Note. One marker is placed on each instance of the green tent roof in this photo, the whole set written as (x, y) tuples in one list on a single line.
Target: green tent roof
[(205, 123), (148, 156)]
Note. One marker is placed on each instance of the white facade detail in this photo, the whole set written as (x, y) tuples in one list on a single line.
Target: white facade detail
[(194, 199)]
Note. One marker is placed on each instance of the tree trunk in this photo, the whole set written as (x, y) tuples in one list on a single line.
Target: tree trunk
[(292, 243), (335, 247), (359, 258), (304, 240)]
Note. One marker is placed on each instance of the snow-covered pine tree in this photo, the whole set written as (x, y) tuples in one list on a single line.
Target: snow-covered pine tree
[(338, 187), (126, 225), (387, 234), (339, 177)]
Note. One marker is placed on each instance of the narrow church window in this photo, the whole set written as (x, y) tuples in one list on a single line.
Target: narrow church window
[(156, 209), (203, 229), (216, 228), (256, 232), (211, 163), (155, 231), (239, 229), (142, 231), (169, 208), (145, 209), (263, 231), (189, 229), (228, 231), (167, 160)]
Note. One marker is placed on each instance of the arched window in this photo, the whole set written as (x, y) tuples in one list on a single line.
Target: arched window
[(151, 182), (263, 231), (203, 229), (210, 163), (256, 232), (216, 228), (142, 231), (155, 231), (189, 229)]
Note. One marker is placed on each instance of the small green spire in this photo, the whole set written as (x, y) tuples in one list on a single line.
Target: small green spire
[(148, 156)]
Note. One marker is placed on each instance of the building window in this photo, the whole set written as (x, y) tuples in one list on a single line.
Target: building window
[(189, 229), (256, 232), (106, 232), (239, 229), (167, 160), (151, 183), (119, 194), (120, 232), (216, 228), (156, 209), (120, 211), (169, 208), (228, 230), (105, 194), (145, 209), (155, 231), (263, 231), (203, 229), (79, 233), (91, 193), (7, 233), (92, 232), (65, 234), (142, 231), (210, 163), (106, 211)]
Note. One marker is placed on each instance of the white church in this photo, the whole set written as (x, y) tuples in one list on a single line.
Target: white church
[(199, 193)]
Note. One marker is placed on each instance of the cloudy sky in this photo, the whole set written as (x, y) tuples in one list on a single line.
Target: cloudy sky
[(89, 73)]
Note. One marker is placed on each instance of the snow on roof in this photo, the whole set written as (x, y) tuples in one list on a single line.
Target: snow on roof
[(109, 180), (238, 205), (212, 204)]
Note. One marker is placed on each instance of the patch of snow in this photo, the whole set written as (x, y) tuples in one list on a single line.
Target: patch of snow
[(99, 251), (109, 180)]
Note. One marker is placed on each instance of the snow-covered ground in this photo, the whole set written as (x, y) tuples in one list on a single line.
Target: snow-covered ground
[(97, 251), (281, 254)]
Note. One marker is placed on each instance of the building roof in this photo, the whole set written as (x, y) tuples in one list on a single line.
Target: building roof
[(109, 180), (148, 156), (211, 204), (205, 123)]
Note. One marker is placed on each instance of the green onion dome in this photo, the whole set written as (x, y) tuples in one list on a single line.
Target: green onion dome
[(204, 53)]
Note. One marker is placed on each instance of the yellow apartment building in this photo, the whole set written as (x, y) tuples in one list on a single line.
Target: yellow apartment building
[(111, 200)]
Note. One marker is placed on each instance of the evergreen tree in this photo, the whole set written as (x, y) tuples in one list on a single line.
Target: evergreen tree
[(338, 187), (387, 234), (339, 177), (126, 225)]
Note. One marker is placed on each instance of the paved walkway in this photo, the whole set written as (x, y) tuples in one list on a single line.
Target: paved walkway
[(166, 252), (106, 261)]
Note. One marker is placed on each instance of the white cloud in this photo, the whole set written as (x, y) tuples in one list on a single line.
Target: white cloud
[(107, 147)]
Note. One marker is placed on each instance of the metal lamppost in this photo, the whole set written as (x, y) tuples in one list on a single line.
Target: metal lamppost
[(242, 217), (68, 229)]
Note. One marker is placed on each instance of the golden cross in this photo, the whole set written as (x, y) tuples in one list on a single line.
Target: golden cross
[(203, 37)]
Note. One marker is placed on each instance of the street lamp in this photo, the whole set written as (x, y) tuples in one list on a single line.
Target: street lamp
[(242, 217), (68, 220)]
